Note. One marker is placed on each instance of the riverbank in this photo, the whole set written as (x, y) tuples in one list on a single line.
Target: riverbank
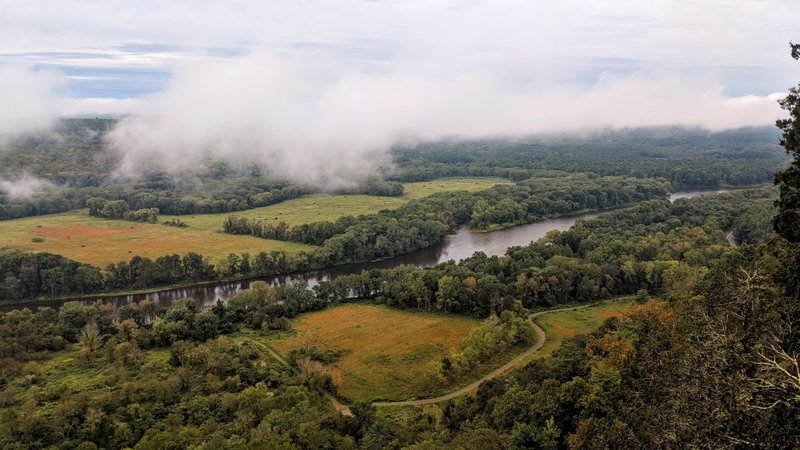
[(576, 213), (462, 244)]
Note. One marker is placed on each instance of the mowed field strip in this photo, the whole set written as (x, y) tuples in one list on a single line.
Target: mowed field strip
[(386, 352), (323, 207), (96, 241)]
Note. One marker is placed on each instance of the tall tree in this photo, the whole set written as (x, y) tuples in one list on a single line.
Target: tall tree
[(787, 223)]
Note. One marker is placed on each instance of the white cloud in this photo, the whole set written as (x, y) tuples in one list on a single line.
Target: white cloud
[(24, 186), (27, 100), (318, 120)]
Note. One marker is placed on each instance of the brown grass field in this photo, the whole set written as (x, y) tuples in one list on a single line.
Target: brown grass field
[(386, 351), (91, 240)]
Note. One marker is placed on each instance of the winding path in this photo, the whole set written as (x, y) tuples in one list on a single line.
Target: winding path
[(540, 339)]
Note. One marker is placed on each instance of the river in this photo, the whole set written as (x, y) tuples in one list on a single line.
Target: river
[(692, 194), (457, 246)]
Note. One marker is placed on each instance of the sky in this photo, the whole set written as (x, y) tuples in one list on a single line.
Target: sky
[(266, 79)]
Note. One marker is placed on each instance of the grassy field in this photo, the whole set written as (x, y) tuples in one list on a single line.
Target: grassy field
[(386, 351), (321, 207), (559, 326), (97, 241), (79, 236)]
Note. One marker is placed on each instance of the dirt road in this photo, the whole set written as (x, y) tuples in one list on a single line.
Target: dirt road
[(540, 339)]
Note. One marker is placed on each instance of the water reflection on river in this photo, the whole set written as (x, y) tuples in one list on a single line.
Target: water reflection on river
[(692, 194), (458, 246)]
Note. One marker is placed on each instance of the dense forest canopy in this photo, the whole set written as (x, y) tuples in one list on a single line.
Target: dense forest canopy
[(685, 157)]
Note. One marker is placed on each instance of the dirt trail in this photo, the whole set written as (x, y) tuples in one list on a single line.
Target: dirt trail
[(540, 339)]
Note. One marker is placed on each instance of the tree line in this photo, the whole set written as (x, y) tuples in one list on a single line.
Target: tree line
[(570, 271), (33, 275), (118, 209), (422, 223), (686, 157), (76, 161)]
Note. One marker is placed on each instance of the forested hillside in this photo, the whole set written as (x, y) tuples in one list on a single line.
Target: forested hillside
[(685, 157), (66, 167)]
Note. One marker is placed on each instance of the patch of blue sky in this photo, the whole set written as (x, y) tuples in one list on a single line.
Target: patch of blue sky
[(735, 80), (741, 81), (112, 82), (103, 79), (570, 71), (110, 88)]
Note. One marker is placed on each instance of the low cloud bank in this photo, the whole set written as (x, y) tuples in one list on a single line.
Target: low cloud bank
[(315, 119), (28, 100), (327, 123), (25, 186)]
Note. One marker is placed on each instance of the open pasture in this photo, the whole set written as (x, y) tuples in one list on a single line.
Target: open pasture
[(386, 351), (96, 241), (325, 207)]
